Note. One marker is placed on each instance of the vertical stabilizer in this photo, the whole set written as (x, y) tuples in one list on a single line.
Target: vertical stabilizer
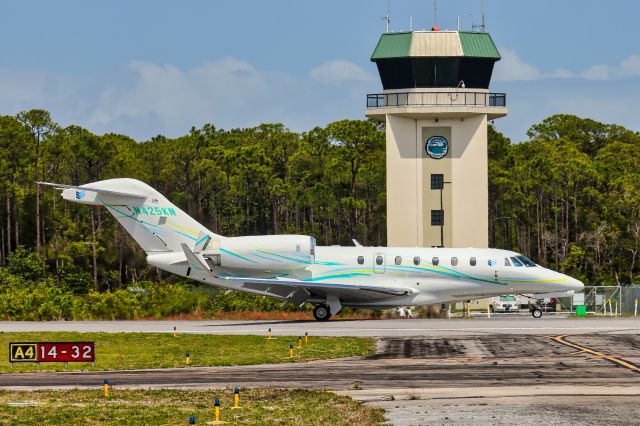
[(152, 220)]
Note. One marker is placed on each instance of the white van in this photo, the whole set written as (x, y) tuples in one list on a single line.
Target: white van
[(507, 303)]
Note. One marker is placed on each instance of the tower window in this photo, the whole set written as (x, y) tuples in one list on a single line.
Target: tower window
[(437, 181), (437, 217)]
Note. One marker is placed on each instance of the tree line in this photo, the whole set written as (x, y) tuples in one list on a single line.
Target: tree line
[(328, 182), (568, 197)]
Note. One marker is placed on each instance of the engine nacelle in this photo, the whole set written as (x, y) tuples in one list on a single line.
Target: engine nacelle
[(268, 252)]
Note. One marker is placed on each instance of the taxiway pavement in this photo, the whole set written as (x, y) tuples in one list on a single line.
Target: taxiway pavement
[(481, 371), (362, 328)]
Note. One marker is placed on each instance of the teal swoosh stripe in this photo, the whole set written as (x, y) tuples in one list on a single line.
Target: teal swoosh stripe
[(267, 258), (284, 257), (237, 255), (333, 274), (328, 277), (130, 216)]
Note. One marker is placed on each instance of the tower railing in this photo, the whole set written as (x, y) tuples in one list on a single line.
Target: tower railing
[(404, 99)]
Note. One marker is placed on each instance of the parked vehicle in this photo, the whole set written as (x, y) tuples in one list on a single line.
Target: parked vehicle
[(507, 303)]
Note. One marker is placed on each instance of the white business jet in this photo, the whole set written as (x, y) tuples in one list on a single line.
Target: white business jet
[(294, 269)]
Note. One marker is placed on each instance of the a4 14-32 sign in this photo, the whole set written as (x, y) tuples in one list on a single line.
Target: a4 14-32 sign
[(52, 352)]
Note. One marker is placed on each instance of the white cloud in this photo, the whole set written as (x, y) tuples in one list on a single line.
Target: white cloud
[(145, 98), (559, 73), (597, 72), (630, 66), (339, 71), (176, 98), (512, 68)]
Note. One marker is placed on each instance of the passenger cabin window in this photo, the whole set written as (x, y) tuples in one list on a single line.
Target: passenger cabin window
[(360, 260), (398, 260), (506, 262), (516, 262), (379, 260), (416, 260), (454, 261), (472, 261), (435, 261)]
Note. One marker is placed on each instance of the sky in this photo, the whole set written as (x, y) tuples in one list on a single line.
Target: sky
[(150, 67)]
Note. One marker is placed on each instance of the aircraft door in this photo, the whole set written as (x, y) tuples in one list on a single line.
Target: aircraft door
[(379, 263), (493, 264)]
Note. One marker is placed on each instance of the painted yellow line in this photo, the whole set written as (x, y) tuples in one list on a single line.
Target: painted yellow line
[(582, 349)]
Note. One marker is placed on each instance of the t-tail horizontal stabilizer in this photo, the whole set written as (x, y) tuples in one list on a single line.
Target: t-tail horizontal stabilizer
[(195, 260), (87, 195)]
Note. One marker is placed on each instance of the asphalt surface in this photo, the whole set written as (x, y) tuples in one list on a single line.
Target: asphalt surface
[(519, 370), (372, 328)]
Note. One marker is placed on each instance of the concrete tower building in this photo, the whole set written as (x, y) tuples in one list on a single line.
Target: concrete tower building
[(436, 104)]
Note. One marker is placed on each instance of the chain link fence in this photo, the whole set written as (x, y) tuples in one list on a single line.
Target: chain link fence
[(604, 300)]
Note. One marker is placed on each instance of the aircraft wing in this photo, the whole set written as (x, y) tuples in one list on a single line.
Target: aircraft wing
[(299, 291)]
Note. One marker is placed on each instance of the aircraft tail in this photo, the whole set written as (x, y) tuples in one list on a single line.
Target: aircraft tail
[(152, 220)]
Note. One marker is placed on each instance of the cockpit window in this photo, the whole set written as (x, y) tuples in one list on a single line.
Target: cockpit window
[(528, 263), (516, 262), (506, 262)]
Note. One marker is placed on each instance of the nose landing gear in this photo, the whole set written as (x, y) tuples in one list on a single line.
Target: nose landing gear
[(321, 312), (536, 312)]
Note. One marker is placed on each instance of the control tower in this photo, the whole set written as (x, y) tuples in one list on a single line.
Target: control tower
[(436, 104)]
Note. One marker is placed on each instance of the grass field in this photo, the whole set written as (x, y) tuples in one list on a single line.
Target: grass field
[(126, 351), (173, 407)]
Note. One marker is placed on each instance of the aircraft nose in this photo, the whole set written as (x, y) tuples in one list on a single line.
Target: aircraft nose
[(575, 285)]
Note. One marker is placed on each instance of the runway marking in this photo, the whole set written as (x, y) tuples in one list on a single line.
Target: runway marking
[(597, 355)]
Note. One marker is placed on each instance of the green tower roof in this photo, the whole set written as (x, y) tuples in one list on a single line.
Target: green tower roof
[(417, 44)]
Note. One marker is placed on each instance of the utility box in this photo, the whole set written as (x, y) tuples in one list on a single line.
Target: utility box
[(581, 311)]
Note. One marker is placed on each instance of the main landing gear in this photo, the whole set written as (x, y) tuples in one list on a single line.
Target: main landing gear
[(321, 312)]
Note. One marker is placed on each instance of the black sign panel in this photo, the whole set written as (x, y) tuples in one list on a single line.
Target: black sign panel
[(23, 352)]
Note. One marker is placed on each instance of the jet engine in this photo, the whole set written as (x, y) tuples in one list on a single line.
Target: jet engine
[(268, 252)]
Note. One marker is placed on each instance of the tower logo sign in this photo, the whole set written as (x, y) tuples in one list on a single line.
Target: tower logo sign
[(437, 147)]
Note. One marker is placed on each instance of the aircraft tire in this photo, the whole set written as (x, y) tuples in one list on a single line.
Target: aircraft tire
[(536, 312), (322, 312)]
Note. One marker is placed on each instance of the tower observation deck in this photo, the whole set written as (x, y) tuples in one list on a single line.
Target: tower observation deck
[(436, 103)]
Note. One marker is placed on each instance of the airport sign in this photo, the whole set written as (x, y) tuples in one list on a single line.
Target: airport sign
[(51, 352)]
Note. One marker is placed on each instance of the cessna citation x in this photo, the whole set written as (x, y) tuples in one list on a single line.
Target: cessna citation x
[(292, 268)]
